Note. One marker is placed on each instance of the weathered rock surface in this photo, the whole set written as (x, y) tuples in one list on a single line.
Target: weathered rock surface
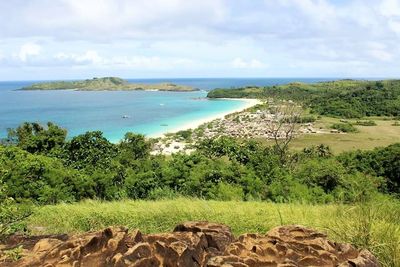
[(194, 244)]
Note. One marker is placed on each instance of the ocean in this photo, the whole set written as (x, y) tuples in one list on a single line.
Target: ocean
[(117, 112)]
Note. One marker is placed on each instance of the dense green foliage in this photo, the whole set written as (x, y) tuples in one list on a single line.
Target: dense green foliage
[(12, 214), (344, 98), (34, 138), (89, 166), (344, 127), (382, 162)]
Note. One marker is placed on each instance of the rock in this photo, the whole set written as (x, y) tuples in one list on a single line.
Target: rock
[(294, 246), (218, 236), (194, 244)]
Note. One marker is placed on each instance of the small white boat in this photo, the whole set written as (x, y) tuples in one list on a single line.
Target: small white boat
[(125, 117)]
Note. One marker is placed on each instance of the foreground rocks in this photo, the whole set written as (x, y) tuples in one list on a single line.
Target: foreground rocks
[(194, 244)]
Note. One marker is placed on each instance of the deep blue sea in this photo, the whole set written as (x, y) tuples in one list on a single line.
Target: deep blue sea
[(147, 112)]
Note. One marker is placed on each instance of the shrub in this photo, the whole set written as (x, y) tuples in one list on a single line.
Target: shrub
[(185, 134), (324, 173), (366, 123), (357, 188), (12, 214), (161, 193), (35, 138), (134, 146), (90, 150), (226, 192), (344, 127), (12, 217)]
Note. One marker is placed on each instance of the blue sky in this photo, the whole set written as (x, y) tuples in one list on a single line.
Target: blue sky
[(68, 39)]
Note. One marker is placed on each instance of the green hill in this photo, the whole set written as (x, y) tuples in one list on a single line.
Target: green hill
[(106, 84), (342, 98)]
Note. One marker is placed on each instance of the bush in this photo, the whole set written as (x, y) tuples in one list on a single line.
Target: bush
[(185, 134), (90, 150), (161, 193), (40, 179), (35, 138), (344, 127), (226, 192), (381, 162), (134, 146), (357, 188), (324, 173), (12, 217), (366, 123), (12, 214)]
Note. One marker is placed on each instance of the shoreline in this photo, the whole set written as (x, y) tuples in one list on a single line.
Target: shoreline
[(196, 123)]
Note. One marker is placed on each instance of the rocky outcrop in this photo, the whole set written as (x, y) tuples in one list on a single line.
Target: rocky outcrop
[(195, 244)]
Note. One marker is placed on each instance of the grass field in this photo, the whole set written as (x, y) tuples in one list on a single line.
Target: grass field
[(368, 137), (375, 226)]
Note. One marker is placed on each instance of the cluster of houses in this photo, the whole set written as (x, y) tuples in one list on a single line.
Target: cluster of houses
[(258, 124), (261, 124)]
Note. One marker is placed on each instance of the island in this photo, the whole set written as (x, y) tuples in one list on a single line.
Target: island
[(108, 84)]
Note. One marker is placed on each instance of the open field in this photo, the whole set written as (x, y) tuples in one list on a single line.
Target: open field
[(374, 226), (367, 137)]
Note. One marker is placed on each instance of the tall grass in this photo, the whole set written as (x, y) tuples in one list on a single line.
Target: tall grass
[(374, 225)]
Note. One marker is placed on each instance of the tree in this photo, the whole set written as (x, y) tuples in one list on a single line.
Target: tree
[(283, 127), (134, 146), (90, 150), (35, 138)]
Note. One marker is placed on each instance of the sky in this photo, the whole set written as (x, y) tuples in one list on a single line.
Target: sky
[(75, 39)]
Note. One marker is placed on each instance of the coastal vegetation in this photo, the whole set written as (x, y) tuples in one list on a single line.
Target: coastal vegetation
[(106, 84), (343, 98), (38, 164)]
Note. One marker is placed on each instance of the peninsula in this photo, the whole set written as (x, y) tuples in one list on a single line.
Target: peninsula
[(107, 84)]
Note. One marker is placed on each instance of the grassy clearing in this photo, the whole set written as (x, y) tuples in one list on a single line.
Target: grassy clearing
[(375, 226), (367, 137)]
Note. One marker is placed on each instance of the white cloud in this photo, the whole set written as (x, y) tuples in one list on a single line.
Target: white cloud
[(29, 50), (90, 57), (202, 37), (390, 8), (394, 25), (381, 55), (240, 63)]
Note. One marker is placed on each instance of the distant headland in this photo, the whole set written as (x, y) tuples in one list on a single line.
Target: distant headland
[(107, 84)]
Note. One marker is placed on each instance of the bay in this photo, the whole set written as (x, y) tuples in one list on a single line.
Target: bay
[(117, 112)]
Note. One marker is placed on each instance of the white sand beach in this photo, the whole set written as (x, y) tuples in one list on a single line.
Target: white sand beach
[(247, 103)]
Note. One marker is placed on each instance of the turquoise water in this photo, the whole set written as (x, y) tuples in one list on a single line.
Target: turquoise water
[(147, 112)]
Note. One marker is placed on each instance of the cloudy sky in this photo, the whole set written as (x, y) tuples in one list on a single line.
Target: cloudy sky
[(67, 39)]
